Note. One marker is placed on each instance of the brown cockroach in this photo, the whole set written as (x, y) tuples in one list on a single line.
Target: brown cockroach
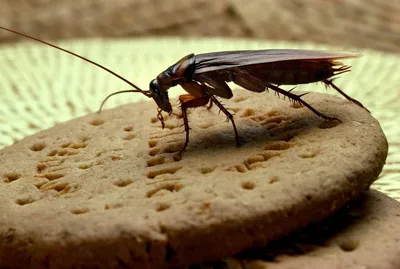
[(205, 76)]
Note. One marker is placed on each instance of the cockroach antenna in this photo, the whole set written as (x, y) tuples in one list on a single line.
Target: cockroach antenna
[(137, 89)]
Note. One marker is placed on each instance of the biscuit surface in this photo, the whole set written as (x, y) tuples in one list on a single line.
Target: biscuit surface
[(363, 234), (108, 190)]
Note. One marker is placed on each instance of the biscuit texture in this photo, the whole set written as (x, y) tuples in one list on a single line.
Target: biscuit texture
[(363, 234), (109, 191)]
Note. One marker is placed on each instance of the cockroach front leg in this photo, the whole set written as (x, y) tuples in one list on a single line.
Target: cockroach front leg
[(330, 83), (190, 101), (160, 117), (210, 105), (229, 117)]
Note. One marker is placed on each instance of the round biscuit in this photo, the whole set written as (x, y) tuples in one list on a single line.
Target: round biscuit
[(109, 190)]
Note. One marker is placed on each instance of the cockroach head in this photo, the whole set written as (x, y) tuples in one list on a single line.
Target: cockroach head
[(160, 96)]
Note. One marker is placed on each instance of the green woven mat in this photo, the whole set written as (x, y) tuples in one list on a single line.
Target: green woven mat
[(41, 86)]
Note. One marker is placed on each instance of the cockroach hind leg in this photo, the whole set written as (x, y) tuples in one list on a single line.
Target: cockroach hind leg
[(329, 83), (297, 98), (289, 91)]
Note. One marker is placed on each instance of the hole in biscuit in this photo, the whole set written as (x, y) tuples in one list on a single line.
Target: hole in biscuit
[(37, 146), (155, 161), (308, 154), (162, 206), (78, 145), (129, 136), (328, 124), (79, 211), (295, 105), (84, 166), (207, 170), (177, 157), (123, 182), (154, 151), (275, 119), (273, 179), (248, 185), (62, 152), (40, 167), (65, 145), (152, 143), (83, 139), (272, 113), (172, 147), (115, 158), (128, 129), (10, 177), (241, 168), (248, 112), (61, 187), (166, 170), (349, 245), (24, 201), (96, 122), (112, 206), (254, 159), (52, 153), (171, 187), (52, 176), (99, 153), (278, 145)]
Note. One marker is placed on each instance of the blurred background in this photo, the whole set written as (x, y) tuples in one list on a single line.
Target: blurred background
[(371, 24)]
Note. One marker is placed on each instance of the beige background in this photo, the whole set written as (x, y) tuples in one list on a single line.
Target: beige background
[(346, 23)]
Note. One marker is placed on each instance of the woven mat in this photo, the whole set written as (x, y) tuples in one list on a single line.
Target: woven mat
[(41, 86)]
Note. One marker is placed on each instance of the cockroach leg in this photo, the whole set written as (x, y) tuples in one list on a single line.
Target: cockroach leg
[(330, 83), (297, 98), (210, 105), (288, 92), (229, 117), (190, 101), (160, 117)]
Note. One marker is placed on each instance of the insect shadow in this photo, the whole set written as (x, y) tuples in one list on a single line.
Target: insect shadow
[(255, 133)]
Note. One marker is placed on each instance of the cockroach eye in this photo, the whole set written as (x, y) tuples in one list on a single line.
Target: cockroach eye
[(160, 97)]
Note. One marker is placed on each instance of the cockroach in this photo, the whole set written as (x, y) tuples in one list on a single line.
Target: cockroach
[(205, 76)]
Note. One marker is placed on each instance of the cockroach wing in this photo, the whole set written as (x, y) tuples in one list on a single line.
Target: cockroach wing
[(216, 84), (214, 61)]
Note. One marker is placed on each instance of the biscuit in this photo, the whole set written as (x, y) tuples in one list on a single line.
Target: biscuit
[(363, 234), (108, 190)]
